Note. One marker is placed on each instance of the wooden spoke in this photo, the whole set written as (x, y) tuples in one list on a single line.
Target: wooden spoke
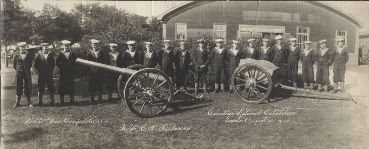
[(156, 78), (261, 87), (160, 84), (240, 79), (138, 100), (142, 107)]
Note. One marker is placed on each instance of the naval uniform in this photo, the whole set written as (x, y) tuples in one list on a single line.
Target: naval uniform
[(200, 57), (96, 75), (182, 62), (128, 58), (234, 60), (112, 77), (66, 62), (45, 64), (22, 64), (151, 59), (219, 59), (324, 60), (280, 56), (339, 68), (166, 62), (265, 54), (292, 63), (252, 53), (308, 58)]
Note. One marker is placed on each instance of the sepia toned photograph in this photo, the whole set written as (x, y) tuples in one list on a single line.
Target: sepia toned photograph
[(111, 74)]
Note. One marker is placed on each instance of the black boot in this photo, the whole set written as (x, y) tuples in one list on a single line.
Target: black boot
[(52, 100), (40, 95), (29, 101), (17, 101)]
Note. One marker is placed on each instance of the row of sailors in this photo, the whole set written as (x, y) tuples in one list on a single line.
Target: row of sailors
[(177, 63)]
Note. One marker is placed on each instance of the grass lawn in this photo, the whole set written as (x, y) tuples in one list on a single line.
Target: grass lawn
[(226, 122)]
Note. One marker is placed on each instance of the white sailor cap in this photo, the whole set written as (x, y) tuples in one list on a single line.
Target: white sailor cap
[(65, 42), (32, 47), (200, 40), (131, 42), (234, 41), (251, 40), (113, 44), (44, 44), (21, 44), (307, 42), (322, 41), (292, 39), (219, 40), (147, 43), (278, 37), (94, 41), (76, 45), (265, 40), (166, 41)]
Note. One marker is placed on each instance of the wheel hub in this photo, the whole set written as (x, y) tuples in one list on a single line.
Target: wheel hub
[(149, 93), (251, 82)]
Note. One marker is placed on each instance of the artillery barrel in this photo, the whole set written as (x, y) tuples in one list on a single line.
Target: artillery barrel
[(125, 71)]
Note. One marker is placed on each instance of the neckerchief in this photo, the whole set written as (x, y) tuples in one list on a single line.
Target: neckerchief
[(132, 53), (323, 51), (306, 52), (293, 48), (234, 51), (251, 50), (219, 50), (148, 54), (265, 49), (114, 54), (339, 50)]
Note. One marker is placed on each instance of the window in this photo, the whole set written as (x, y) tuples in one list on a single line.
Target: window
[(341, 34), (302, 34), (220, 30), (181, 31)]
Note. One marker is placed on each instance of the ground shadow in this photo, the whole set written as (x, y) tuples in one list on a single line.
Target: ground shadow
[(24, 136), (183, 102)]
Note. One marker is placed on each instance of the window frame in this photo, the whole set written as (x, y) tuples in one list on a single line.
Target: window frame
[(300, 44), (337, 36), (225, 30), (176, 30)]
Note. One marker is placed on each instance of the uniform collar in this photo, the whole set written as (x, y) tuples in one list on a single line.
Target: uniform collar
[(219, 50)]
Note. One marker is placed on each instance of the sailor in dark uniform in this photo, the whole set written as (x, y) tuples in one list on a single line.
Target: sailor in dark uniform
[(66, 62), (151, 57), (264, 51), (251, 51), (44, 65), (22, 65), (219, 59), (292, 62), (235, 55), (280, 55), (182, 60), (200, 60), (308, 59), (324, 58), (112, 77), (166, 59), (339, 68), (131, 56), (96, 75)]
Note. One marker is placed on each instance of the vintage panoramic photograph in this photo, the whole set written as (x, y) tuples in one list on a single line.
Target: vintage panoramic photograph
[(184, 74)]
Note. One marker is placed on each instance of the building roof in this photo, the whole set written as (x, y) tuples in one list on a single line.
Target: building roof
[(174, 11)]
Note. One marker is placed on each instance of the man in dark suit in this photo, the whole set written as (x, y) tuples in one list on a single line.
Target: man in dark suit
[(340, 59), (182, 62), (112, 77), (200, 60), (280, 55), (22, 64), (219, 58), (166, 59), (151, 58), (96, 75), (66, 62), (264, 51), (292, 62), (45, 64), (235, 55), (251, 51), (324, 58)]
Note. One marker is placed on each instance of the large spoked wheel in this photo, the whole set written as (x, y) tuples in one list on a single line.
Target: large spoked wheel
[(122, 80), (148, 92), (252, 83)]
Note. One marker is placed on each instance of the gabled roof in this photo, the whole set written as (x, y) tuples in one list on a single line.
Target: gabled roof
[(167, 15)]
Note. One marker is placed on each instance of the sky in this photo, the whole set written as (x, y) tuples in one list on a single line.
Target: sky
[(358, 9)]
